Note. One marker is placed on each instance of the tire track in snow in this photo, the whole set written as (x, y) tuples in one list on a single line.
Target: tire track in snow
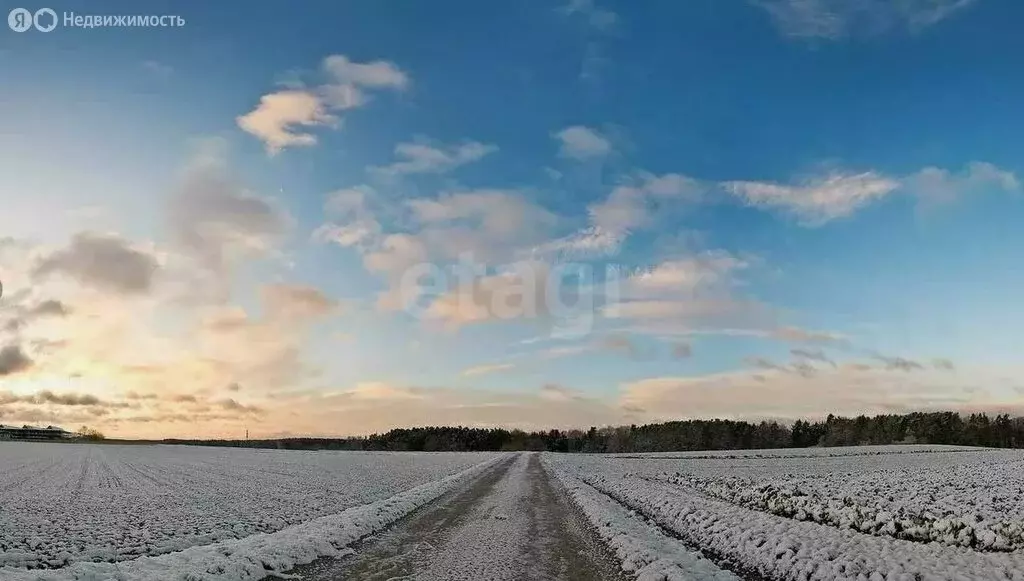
[(721, 560), (511, 523), (647, 551)]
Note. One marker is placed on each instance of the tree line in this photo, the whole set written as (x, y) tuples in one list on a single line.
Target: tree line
[(1002, 431)]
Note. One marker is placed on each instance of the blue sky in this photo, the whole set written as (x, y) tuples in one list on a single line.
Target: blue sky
[(814, 205)]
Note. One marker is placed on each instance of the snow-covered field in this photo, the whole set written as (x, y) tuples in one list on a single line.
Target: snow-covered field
[(896, 512), (169, 513), (63, 506)]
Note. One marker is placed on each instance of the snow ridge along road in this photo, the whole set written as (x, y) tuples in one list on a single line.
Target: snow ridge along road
[(646, 552), (513, 522)]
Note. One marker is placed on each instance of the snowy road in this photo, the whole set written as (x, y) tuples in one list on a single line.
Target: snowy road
[(513, 522)]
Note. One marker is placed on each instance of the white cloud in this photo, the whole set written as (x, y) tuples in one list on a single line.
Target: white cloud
[(353, 221), (628, 207), (559, 351), (688, 275), (694, 310), (376, 390), (349, 201), (581, 142), (373, 75), (69, 336), (485, 369), (519, 293), (489, 226), (158, 69), (276, 118), (798, 335), (396, 253), (819, 199), (280, 115), (289, 302), (935, 185), (359, 233), (499, 213), (392, 258), (482, 226), (601, 19), (214, 219), (805, 391), (837, 19), (376, 407), (683, 294), (592, 240), (816, 200), (421, 157)]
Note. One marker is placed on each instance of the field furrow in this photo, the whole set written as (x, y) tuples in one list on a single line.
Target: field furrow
[(87, 503), (753, 523)]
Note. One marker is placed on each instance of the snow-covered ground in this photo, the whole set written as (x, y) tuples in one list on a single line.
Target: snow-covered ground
[(856, 513), (167, 513), (644, 551), (63, 504)]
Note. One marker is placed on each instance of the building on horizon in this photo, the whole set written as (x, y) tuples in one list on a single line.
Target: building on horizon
[(27, 432)]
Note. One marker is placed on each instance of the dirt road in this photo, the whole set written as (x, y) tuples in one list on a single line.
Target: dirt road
[(514, 522)]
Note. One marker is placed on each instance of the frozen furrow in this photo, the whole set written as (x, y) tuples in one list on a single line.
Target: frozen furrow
[(71, 503), (261, 555), (644, 551), (784, 549), (949, 508)]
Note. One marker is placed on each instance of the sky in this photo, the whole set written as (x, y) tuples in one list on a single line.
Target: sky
[(346, 217)]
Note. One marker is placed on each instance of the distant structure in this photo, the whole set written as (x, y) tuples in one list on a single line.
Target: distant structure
[(34, 433)]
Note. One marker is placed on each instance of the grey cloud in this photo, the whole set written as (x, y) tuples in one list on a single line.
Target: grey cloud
[(70, 399), (215, 219), (682, 350), (13, 360), (620, 344), (50, 307), (803, 369), (19, 316), (762, 363), (558, 392), (800, 367), (49, 397), (102, 261), (812, 355), (899, 363), (232, 405)]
